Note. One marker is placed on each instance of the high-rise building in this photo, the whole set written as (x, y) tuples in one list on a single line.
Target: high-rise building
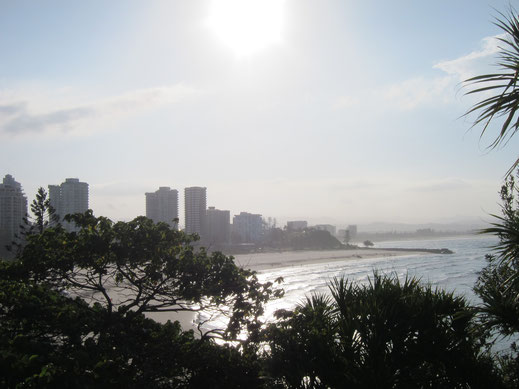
[(352, 228), (195, 203), (162, 206), (13, 208), (218, 227), (68, 198), (247, 227)]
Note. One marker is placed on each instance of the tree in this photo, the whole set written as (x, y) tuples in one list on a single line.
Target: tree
[(73, 305), (505, 102), (44, 213), (368, 243), (498, 283), (387, 334)]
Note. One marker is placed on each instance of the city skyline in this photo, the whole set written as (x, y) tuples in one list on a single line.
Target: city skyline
[(336, 112)]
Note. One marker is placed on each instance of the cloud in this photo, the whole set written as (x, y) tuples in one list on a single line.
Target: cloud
[(62, 120), (467, 66), (19, 118), (416, 92), (7, 110)]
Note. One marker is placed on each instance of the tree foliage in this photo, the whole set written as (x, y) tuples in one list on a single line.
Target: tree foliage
[(73, 305), (498, 283), (503, 86), (387, 334), (44, 213)]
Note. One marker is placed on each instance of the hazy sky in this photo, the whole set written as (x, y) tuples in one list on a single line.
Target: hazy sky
[(333, 111)]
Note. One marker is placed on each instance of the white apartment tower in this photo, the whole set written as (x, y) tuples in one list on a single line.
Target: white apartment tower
[(162, 206), (13, 208), (68, 198), (195, 203)]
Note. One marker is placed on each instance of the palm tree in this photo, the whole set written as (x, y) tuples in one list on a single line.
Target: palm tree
[(505, 102), (385, 334)]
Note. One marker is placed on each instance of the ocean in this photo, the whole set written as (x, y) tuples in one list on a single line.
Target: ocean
[(455, 272)]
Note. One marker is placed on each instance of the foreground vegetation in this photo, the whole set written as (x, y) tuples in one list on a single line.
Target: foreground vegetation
[(74, 306)]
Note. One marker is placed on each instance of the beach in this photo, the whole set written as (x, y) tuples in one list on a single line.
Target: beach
[(273, 260)]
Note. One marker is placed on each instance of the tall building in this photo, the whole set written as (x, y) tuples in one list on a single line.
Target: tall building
[(68, 198), (13, 208), (195, 203), (247, 227), (162, 206), (218, 226), (352, 228)]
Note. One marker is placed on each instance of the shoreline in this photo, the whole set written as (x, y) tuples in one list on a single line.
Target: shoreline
[(275, 260)]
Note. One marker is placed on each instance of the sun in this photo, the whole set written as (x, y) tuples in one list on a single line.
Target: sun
[(247, 26)]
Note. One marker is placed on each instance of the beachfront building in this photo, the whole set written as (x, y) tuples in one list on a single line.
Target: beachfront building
[(352, 228), (218, 227), (162, 206), (68, 198), (247, 227), (195, 204), (297, 225), (13, 209)]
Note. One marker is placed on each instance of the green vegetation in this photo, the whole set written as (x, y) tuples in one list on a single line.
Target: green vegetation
[(386, 334), (72, 309), (368, 243), (306, 239)]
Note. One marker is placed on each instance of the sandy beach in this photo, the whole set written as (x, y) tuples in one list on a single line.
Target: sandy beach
[(264, 261)]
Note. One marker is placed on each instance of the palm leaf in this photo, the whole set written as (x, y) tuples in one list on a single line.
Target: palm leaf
[(505, 103)]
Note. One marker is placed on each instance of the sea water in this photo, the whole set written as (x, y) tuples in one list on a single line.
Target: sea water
[(455, 272)]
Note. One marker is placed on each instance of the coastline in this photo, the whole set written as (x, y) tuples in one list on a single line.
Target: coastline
[(294, 258), (273, 260)]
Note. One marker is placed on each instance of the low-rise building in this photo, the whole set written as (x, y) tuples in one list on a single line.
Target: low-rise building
[(296, 225), (218, 227), (247, 228)]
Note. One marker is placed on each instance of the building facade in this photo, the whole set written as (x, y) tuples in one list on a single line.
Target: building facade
[(352, 228), (247, 228), (162, 206), (297, 225), (195, 204), (218, 227), (13, 209), (68, 198)]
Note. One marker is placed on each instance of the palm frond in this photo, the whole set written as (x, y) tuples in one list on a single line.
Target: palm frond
[(505, 103)]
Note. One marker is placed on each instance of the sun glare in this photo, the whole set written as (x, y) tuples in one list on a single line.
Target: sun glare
[(247, 26)]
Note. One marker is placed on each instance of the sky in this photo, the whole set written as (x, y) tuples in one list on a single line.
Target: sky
[(340, 112)]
